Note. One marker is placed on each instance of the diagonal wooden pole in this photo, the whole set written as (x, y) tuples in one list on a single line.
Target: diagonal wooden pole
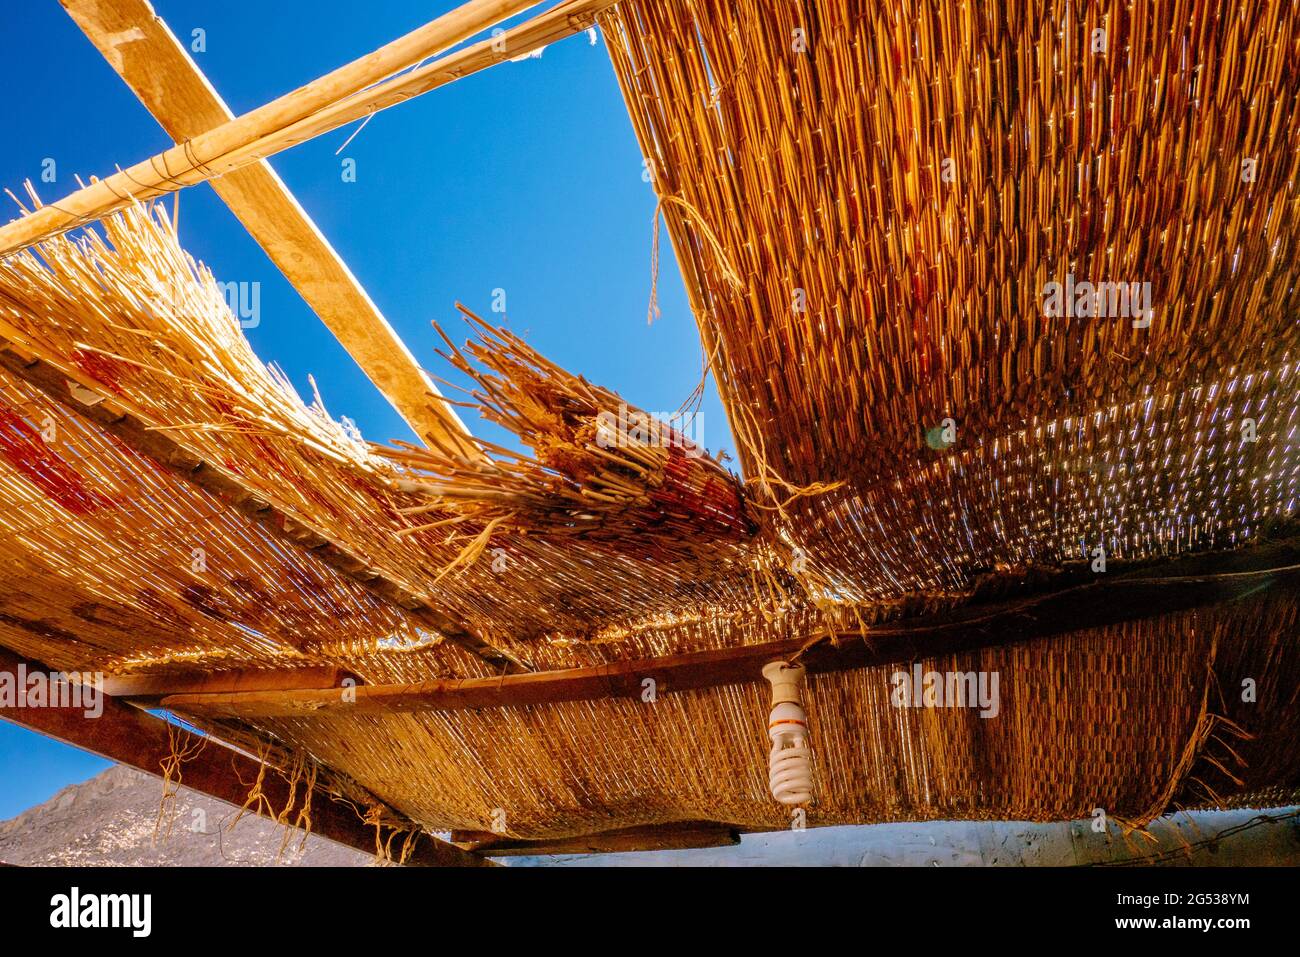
[(141, 49), (129, 736)]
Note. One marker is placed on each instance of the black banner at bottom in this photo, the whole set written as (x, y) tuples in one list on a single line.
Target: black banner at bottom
[(656, 906)]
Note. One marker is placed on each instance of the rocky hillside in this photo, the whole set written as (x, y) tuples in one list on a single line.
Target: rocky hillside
[(110, 819)]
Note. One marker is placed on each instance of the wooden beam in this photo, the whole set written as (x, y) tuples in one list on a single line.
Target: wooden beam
[(141, 689), (675, 836), (158, 445), (563, 20), (259, 130), (159, 70), (129, 736), (1101, 600)]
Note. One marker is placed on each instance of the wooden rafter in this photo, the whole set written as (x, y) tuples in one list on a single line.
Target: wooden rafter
[(152, 688), (352, 91), (1183, 584), (133, 737), (654, 837), (142, 50)]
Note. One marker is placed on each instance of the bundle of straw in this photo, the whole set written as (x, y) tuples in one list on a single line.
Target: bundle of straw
[(602, 472)]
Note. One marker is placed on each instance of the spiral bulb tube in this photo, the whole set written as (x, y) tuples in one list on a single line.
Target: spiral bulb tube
[(790, 762)]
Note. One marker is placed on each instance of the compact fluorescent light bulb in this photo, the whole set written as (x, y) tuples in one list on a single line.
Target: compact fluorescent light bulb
[(790, 763)]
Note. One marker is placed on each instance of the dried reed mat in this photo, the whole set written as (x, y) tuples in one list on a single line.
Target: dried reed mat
[(132, 318), (895, 184), (112, 546), (851, 296), (1111, 717)]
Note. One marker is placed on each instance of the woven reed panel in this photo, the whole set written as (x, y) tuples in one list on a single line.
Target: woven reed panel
[(99, 567), (868, 201), (1100, 718)]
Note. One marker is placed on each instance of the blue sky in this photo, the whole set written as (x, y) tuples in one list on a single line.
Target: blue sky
[(525, 178)]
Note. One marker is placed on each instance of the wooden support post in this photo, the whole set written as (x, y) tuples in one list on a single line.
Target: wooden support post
[(129, 736)]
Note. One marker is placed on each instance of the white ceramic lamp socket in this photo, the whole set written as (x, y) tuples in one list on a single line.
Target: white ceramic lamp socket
[(790, 762)]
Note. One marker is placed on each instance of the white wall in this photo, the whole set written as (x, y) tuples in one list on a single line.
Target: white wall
[(969, 843)]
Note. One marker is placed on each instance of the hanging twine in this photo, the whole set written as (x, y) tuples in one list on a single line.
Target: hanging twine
[(724, 263)]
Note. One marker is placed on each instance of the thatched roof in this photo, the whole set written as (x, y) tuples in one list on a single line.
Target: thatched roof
[(867, 204)]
